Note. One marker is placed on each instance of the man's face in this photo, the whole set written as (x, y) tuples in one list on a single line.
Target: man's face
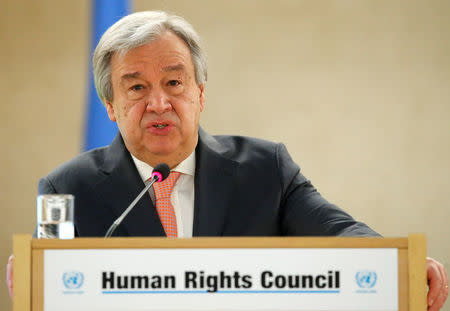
[(157, 102)]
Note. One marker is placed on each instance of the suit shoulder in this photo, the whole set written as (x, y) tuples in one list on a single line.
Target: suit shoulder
[(247, 148), (84, 167), (233, 140)]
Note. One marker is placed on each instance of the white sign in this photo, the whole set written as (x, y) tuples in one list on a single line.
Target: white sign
[(221, 279)]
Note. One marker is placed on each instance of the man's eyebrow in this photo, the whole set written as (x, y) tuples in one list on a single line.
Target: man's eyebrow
[(131, 75), (178, 67)]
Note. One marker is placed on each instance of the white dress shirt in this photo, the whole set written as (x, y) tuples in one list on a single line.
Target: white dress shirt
[(182, 197)]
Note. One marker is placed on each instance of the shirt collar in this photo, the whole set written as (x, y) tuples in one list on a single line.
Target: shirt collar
[(187, 167)]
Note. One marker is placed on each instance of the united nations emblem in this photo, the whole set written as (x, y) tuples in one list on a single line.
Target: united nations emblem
[(73, 279), (366, 279)]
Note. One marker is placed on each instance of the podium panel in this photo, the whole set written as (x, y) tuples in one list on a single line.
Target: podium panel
[(223, 274)]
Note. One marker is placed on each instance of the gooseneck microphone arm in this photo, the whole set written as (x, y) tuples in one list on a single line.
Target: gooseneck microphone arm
[(160, 172)]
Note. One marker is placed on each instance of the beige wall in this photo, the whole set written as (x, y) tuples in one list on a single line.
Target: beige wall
[(359, 91)]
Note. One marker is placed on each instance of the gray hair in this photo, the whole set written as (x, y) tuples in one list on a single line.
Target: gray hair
[(136, 30)]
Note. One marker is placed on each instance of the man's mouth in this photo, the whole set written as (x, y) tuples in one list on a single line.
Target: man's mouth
[(160, 126)]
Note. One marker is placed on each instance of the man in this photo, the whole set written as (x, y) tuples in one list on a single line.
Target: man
[(150, 72)]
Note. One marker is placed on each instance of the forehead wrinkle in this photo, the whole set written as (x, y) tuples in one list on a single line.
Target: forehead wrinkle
[(178, 67)]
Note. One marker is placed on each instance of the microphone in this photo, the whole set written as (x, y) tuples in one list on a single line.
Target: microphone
[(160, 172)]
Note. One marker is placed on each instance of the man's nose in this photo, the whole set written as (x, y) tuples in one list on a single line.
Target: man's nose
[(158, 103)]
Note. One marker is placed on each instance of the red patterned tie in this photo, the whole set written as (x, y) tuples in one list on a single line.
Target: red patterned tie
[(166, 212)]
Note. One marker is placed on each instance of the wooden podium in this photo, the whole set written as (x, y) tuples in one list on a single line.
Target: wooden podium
[(29, 259)]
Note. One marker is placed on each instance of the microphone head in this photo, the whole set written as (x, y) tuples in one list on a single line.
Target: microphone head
[(161, 171)]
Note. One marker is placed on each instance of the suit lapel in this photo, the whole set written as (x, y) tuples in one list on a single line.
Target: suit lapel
[(215, 190), (215, 187), (120, 187)]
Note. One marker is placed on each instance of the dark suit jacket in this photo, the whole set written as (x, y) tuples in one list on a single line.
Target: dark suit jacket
[(243, 187)]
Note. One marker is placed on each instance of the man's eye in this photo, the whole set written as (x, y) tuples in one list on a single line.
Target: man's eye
[(173, 83), (137, 87)]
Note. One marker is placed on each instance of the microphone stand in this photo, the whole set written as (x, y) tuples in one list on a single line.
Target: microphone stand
[(116, 223)]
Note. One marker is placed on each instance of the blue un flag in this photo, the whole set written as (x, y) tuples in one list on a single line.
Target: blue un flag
[(99, 130)]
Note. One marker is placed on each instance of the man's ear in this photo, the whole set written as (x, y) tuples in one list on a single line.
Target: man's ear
[(110, 110), (202, 96)]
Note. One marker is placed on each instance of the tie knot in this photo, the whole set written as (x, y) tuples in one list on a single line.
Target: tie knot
[(164, 189)]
